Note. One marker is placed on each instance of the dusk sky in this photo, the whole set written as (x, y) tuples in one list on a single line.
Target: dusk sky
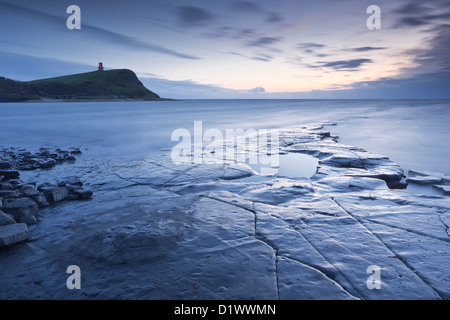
[(238, 49)]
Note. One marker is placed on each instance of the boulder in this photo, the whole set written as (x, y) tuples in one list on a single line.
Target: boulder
[(56, 194), (21, 209), (10, 174), (13, 233), (31, 193), (74, 181), (9, 194), (69, 157), (46, 186), (84, 194), (6, 219), (6, 186), (5, 165), (41, 201)]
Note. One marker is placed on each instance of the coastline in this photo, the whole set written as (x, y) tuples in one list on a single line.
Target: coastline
[(213, 231), (91, 100)]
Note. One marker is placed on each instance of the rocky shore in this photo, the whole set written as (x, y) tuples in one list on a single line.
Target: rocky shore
[(156, 230), (20, 200)]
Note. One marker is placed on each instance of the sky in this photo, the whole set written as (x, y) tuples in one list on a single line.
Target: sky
[(210, 49)]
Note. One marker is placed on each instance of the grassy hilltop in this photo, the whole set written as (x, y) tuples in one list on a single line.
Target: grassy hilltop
[(96, 85)]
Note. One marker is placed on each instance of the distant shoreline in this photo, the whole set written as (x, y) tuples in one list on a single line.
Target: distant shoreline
[(89, 100)]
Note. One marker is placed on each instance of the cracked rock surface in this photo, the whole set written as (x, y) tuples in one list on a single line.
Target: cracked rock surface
[(155, 230)]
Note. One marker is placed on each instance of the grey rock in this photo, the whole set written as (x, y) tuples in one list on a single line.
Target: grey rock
[(73, 196), (444, 189), (27, 187), (10, 174), (401, 184), (6, 219), (6, 186), (20, 208), (84, 194), (75, 151), (13, 233), (69, 157), (41, 201), (56, 194), (15, 182), (31, 192), (425, 180), (46, 186), (8, 194), (47, 163), (73, 188), (5, 165), (62, 184), (28, 220), (74, 181)]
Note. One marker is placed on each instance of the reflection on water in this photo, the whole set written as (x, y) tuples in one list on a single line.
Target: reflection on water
[(291, 165)]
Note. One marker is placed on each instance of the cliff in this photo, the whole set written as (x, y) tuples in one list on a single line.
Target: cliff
[(120, 84)]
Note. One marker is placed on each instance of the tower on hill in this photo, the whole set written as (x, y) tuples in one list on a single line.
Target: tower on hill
[(100, 66)]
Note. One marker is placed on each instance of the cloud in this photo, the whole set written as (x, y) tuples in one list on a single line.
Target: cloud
[(414, 14), (194, 17), (247, 6), (274, 17), (257, 90), (23, 67), (231, 33), (309, 45), (130, 42), (262, 57), (365, 49), (99, 34), (346, 64), (259, 57), (264, 41)]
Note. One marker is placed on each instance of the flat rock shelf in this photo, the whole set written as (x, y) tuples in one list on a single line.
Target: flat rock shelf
[(155, 230)]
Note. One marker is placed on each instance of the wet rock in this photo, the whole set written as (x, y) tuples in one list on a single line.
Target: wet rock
[(47, 163), (74, 181), (6, 186), (31, 192), (13, 233), (56, 194), (46, 186), (10, 174), (28, 220), (343, 161), (41, 201), (16, 183), (401, 184), (6, 219), (69, 157), (5, 165), (84, 194), (424, 180), (9, 194), (73, 196), (21, 209), (75, 150), (444, 189)]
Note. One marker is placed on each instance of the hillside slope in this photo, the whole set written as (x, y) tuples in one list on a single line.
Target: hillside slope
[(96, 85)]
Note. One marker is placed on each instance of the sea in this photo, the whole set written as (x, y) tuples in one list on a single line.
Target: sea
[(413, 133)]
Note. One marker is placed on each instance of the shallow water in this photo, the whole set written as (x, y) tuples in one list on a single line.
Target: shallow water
[(413, 133), (291, 165)]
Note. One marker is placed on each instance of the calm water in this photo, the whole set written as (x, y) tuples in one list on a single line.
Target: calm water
[(413, 133)]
